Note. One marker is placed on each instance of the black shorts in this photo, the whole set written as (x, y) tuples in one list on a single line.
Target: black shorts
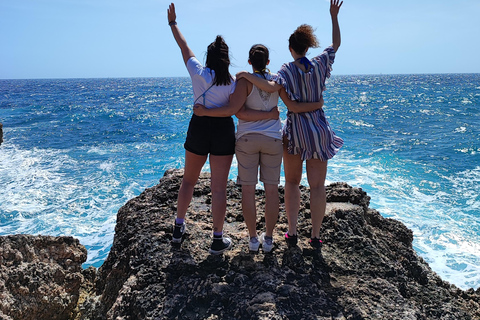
[(211, 135)]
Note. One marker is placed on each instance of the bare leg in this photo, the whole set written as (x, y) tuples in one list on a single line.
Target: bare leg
[(220, 168), (271, 208), (193, 166), (316, 174), (293, 165), (249, 209)]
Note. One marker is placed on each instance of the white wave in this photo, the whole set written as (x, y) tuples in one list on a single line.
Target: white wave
[(107, 166), (444, 222), (48, 192), (360, 123), (98, 150)]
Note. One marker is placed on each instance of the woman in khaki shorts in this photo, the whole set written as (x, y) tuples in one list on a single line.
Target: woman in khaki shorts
[(258, 145)]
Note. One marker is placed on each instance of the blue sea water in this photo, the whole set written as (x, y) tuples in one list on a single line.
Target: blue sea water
[(76, 150)]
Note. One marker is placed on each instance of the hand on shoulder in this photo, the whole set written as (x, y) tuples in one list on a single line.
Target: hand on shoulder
[(242, 74)]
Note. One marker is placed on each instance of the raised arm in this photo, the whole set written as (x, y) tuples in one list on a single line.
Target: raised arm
[(334, 9), (299, 107), (237, 99), (187, 53), (262, 84)]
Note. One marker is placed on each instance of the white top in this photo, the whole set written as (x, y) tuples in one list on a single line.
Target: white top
[(202, 78), (263, 101)]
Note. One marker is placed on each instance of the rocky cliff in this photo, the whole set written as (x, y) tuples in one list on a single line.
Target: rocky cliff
[(40, 277), (366, 269)]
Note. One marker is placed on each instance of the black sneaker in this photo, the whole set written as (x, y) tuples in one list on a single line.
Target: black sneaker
[(178, 232), (291, 240), (220, 245), (316, 243)]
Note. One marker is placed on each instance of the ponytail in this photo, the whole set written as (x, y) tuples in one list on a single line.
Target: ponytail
[(258, 56), (218, 60)]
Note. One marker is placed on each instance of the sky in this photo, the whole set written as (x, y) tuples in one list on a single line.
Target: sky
[(131, 38)]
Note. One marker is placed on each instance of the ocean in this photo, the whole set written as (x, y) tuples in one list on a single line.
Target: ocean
[(76, 150)]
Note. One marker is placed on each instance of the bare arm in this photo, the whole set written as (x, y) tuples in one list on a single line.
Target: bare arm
[(334, 9), (271, 86), (187, 53), (299, 107), (237, 99), (262, 84), (248, 114)]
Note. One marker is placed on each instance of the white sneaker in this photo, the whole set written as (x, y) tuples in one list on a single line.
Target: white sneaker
[(267, 244), (253, 244)]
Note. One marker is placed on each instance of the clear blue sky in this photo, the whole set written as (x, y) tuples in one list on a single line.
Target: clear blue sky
[(131, 38)]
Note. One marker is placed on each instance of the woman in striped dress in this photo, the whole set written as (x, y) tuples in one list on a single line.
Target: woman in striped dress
[(307, 136)]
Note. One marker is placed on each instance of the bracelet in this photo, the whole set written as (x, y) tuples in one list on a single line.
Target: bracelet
[(172, 23)]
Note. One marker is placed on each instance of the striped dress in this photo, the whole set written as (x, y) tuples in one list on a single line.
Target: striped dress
[(309, 133)]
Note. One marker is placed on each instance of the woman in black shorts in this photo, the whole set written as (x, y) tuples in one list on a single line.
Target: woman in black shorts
[(207, 137)]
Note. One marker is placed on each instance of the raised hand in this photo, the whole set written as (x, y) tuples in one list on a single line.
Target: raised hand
[(336, 38), (171, 15), (335, 7)]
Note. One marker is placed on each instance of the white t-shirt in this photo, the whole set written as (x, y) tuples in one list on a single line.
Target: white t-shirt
[(202, 78), (262, 101)]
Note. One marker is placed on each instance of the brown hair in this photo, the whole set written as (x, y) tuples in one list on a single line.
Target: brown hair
[(258, 56), (218, 60), (302, 39)]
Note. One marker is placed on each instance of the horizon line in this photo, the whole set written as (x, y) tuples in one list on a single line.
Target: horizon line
[(158, 77)]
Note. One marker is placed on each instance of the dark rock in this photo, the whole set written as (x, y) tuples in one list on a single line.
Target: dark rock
[(1, 133), (367, 268), (40, 277)]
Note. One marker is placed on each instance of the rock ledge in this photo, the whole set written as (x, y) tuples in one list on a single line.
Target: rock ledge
[(366, 269)]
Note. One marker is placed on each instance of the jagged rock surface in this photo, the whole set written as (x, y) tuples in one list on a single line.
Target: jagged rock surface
[(366, 269), (1, 133), (40, 277)]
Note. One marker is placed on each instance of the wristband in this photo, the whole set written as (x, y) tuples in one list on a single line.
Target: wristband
[(172, 23)]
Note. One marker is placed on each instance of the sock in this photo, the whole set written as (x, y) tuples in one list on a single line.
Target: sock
[(253, 239), (218, 234), (268, 238), (179, 221)]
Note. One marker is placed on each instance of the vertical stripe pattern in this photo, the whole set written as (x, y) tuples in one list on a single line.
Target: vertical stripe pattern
[(309, 133)]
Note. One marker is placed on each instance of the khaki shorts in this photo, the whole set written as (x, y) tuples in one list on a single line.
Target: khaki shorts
[(253, 150)]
